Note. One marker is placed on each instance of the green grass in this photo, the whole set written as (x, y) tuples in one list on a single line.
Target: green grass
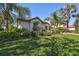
[(56, 45)]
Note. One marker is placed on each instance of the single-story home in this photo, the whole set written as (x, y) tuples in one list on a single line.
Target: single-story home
[(29, 24), (71, 28)]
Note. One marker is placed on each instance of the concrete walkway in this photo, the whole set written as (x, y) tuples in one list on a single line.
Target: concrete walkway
[(71, 33)]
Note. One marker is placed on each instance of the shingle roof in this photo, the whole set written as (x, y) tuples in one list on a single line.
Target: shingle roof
[(29, 20)]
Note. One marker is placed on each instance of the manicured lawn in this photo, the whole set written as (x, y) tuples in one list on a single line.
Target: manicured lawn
[(53, 45)]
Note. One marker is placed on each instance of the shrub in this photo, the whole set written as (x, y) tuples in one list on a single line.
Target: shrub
[(1, 29), (34, 34), (15, 29), (46, 33), (72, 31), (14, 34), (41, 33), (26, 34), (65, 30), (60, 30), (6, 36)]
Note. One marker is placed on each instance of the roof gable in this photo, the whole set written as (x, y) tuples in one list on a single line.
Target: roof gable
[(29, 20), (37, 18)]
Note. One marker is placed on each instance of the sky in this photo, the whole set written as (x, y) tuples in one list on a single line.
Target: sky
[(44, 10)]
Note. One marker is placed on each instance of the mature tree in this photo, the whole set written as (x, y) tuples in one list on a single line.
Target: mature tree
[(23, 13), (1, 20), (67, 11), (8, 8), (55, 18)]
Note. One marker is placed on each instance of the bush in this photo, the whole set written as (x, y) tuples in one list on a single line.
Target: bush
[(15, 29), (60, 30), (41, 33), (46, 33), (26, 34), (1, 29), (6, 36), (72, 31), (34, 34), (14, 34)]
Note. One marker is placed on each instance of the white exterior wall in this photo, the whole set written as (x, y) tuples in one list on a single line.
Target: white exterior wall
[(29, 26), (25, 25), (71, 28)]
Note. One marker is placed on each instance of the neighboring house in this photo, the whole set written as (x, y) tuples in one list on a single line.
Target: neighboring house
[(30, 23), (59, 26), (71, 28)]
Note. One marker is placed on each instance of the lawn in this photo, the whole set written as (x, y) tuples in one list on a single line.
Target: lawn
[(55, 45)]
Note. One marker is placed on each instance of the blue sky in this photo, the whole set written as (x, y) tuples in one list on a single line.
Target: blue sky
[(44, 10)]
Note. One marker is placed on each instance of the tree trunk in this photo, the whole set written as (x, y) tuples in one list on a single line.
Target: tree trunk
[(76, 27), (67, 26), (7, 25), (6, 15), (54, 27), (17, 23)]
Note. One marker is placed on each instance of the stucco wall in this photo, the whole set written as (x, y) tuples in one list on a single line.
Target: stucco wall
[(71, 28), (26, 25), (30, 25)]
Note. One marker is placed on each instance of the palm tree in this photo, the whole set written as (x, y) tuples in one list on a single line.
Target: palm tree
[(22, 13), (7, 9), (1, 20), (55, 20), (55, 17)]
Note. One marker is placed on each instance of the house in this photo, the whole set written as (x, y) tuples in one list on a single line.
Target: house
[(59, 26), (71, 28), (29, 24), (64, 26)]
